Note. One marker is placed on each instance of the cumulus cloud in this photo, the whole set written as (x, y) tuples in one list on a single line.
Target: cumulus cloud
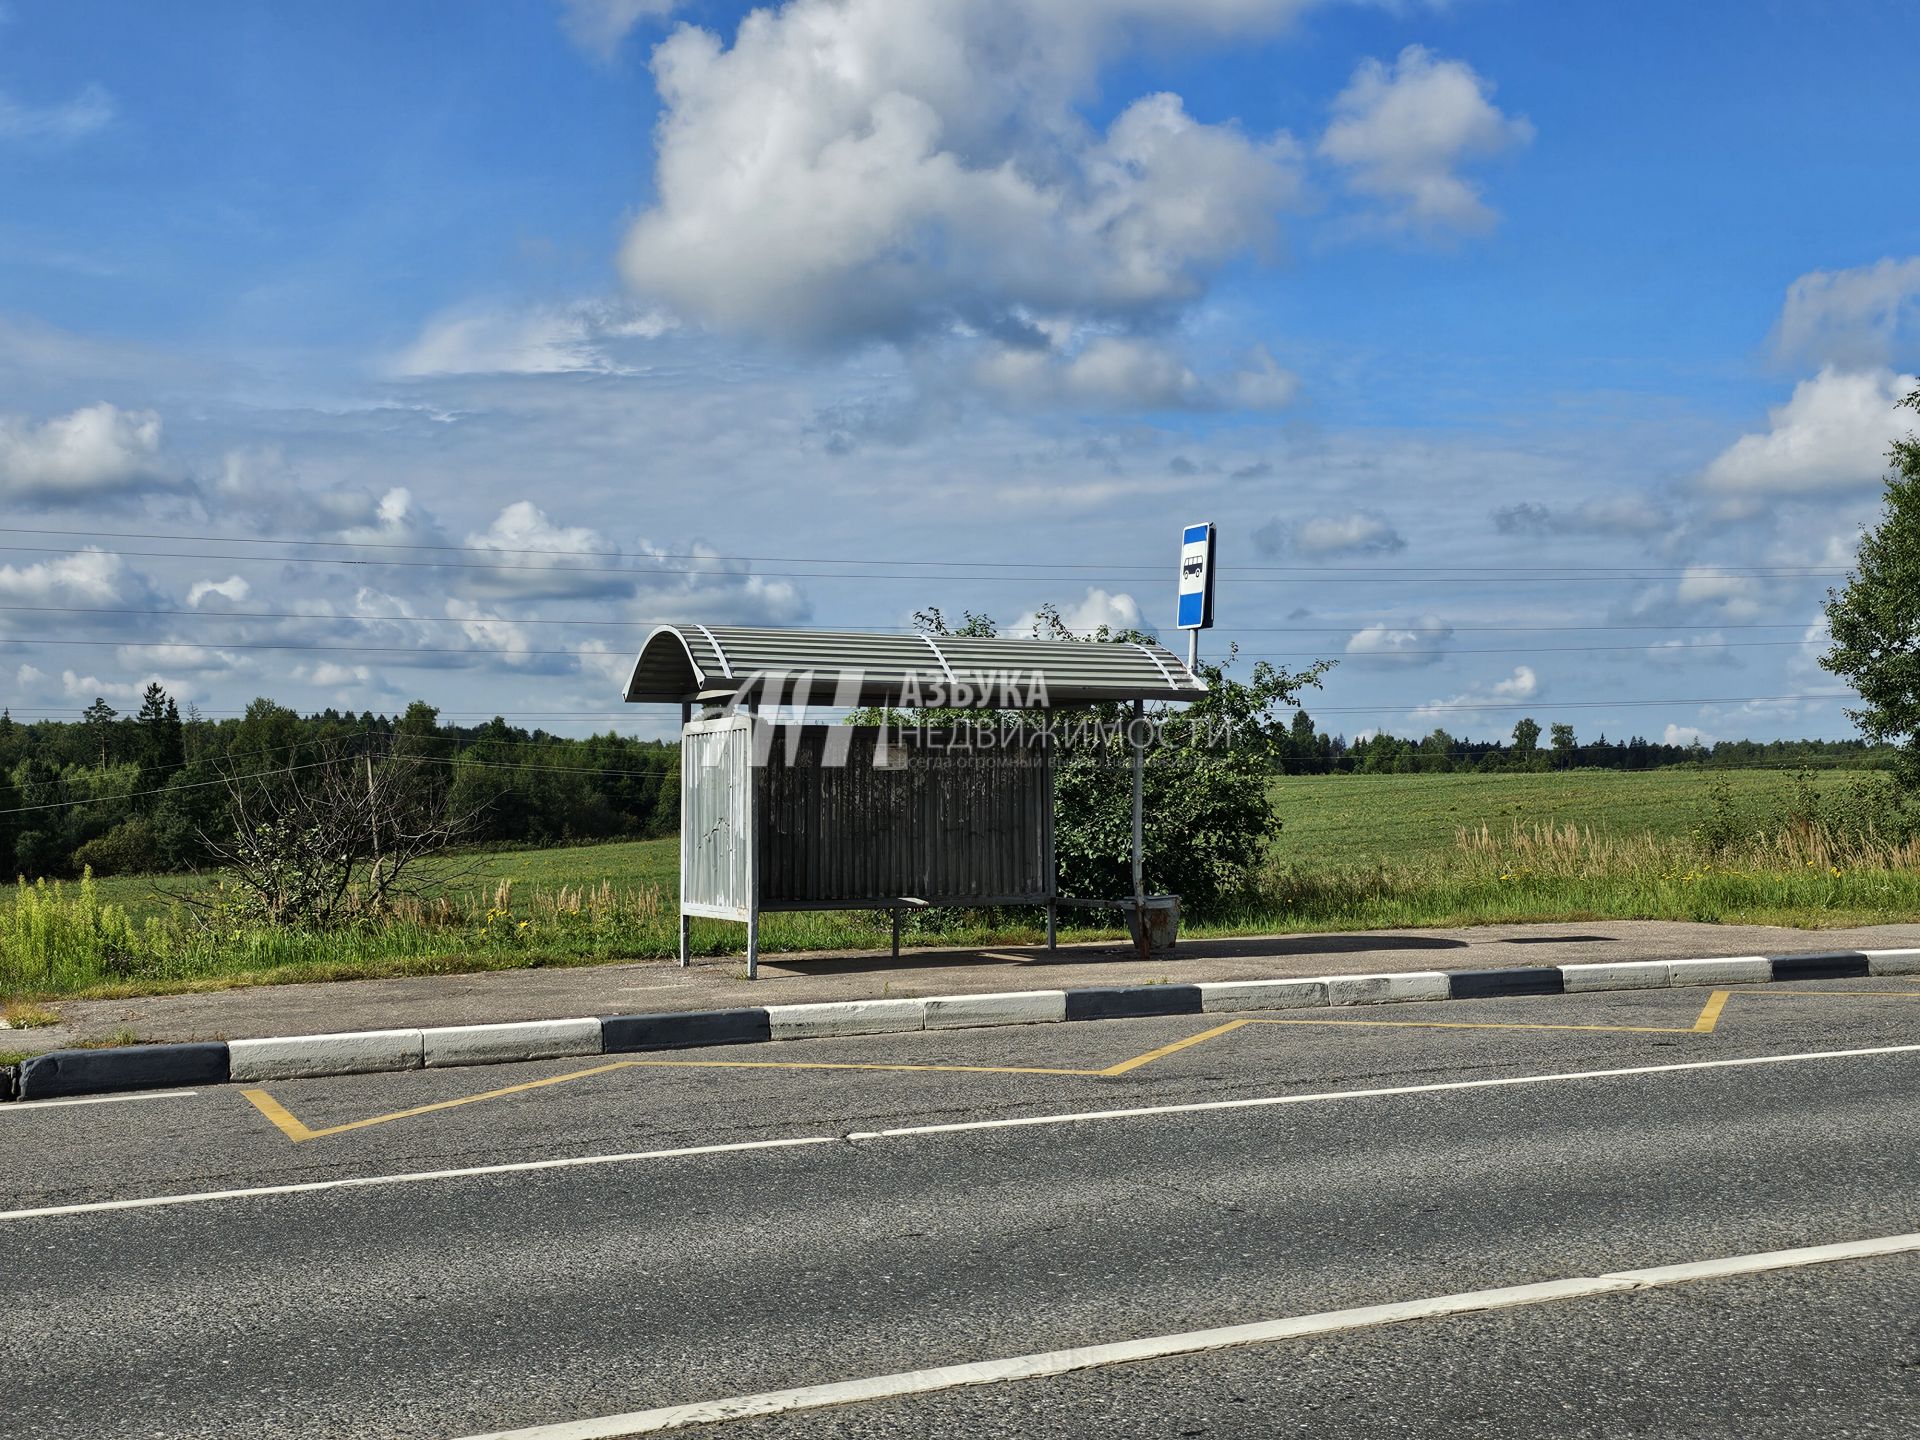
[(127, 694), (533, 340), (96, 451), (87, 581), (1629, 515), (1731, 597), (1402, 132), (1685, 735), (1358, 532), (233, 589), (87, 112), (535, 558), (268, 493), (1416, 643), (1832, 434), (1692, 652), (851, 170), (1096, 610), (1863, 318), (1520, 686), (598, 26)]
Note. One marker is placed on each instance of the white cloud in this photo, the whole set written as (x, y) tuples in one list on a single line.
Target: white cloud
[(233, 588), (88, 111), (1708, 587), (27, 676), (127, 693), (699, 584), (537, 558), (1685, 735), (598, 26), (1521, 685), (90, 575), (1692, 652), (852, 170), (487, 631), (1832, 434), (1358, 532), (1091, 612), (1419, 642), (536, 340), (1402, 133), (327, 674), (1861, 318), (396, 520), (95, 451)]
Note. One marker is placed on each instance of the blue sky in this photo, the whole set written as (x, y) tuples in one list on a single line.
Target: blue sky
[(1531, 358)]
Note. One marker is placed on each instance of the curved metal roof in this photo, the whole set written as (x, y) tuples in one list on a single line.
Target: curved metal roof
[(712, 663)]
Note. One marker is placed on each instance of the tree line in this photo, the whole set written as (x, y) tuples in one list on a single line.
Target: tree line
[(153, 791), (1305, 750)]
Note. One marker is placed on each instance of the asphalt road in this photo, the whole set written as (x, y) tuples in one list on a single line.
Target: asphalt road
[(451, 1306)]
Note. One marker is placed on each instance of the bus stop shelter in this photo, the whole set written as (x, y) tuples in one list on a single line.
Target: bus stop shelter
[(785, 815)]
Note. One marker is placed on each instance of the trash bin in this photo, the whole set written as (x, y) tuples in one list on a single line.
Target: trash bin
[(1162, 923)]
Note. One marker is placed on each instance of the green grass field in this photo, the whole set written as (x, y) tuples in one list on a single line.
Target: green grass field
[(1356, 852), (1342, 820)]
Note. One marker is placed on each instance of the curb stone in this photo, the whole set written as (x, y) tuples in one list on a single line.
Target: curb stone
[(62, 1073)]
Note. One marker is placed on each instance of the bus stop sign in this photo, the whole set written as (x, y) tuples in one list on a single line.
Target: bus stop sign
[(1196, 578)]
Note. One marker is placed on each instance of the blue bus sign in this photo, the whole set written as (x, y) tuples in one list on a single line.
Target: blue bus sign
[(1196, 578)]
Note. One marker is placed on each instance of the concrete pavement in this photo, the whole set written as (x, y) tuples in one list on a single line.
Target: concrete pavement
[(456, 1305), (711, 984)]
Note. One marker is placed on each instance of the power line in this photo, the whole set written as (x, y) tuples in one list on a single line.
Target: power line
[(482, 650), (1045, 566), (1358, 625), (1294, 576)]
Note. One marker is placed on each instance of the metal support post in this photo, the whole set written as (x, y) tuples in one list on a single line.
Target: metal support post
[(1139, 827), (753, 943), (686, 925), (896, 932), (1193, 651), (1053, 925)]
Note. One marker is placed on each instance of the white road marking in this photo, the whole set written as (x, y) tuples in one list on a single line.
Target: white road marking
[(1202, 1106), (1089, 1357), (20, 1105), (309, 1187), (573, 1162)]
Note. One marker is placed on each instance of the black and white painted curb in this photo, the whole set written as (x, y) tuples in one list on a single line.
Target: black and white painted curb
[(63, 1073)]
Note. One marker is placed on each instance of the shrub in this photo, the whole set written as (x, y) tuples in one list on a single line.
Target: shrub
[(130, 848)]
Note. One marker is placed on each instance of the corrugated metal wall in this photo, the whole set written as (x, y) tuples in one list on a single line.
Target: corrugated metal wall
[(716, 818), (946, 826)]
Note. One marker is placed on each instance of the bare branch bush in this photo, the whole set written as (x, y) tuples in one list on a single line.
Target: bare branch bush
[(340, 838)]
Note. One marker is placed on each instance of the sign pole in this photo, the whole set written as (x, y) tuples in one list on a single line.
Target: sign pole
[(1195, 610), (1139, 827)]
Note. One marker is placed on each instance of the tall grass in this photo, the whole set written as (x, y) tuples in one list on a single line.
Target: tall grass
[(1796, 875), (64, 940)]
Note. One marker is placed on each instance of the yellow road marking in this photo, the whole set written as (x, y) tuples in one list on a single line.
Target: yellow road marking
[(1710, 1012), (279, 1114), (1709, 1018), (1152, 1055)]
